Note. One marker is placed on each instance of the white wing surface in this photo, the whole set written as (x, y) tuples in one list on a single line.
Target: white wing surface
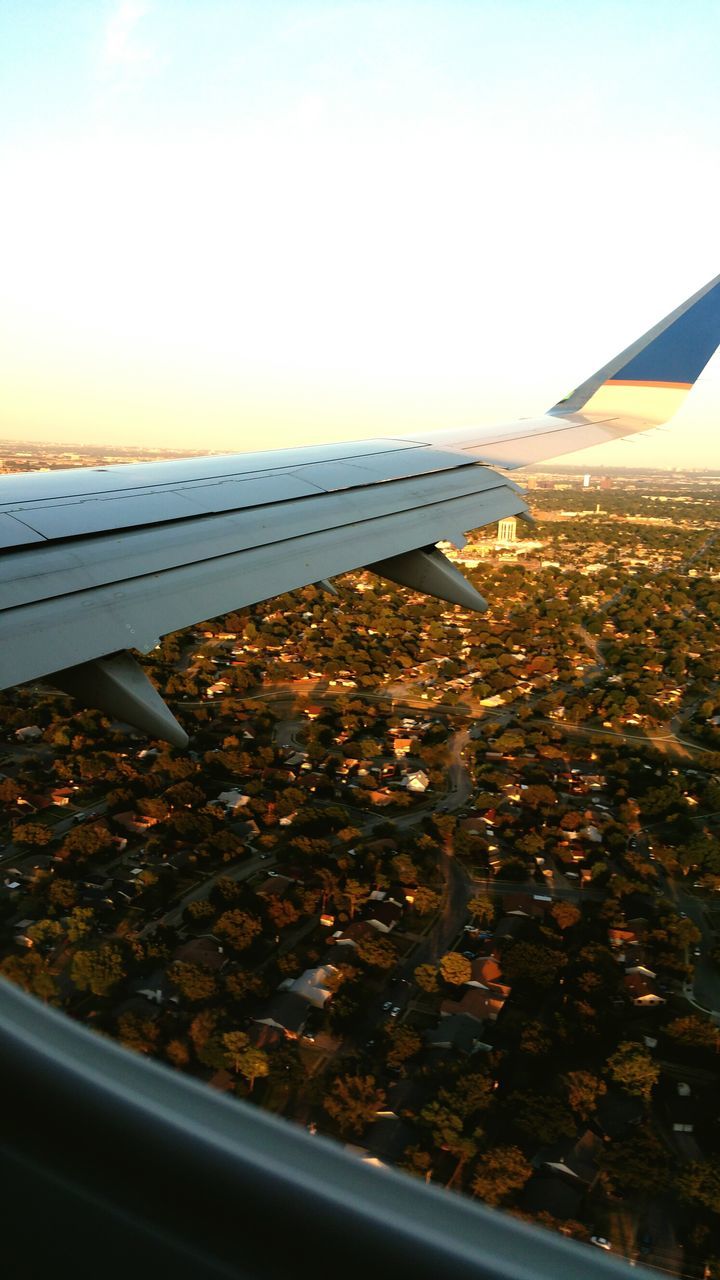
[(95, 561)]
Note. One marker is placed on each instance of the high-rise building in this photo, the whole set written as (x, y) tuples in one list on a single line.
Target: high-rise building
[(507, 529)]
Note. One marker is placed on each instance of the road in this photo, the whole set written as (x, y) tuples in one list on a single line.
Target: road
[(402, 699), (458, 889), (706, 979), (460, 783), (664, 1252), (705, 991), (22, 856), (239, 871)]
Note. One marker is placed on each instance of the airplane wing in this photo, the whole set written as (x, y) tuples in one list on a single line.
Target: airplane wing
[(97, 561)]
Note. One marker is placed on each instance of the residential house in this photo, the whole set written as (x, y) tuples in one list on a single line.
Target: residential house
[(287, 1012), (524, 904), (641, 990), (313, 985), (511, 926), (383, 916), (418, 781), (486, 974), (681, 1107), (618, 1114), (138, 823), (476, 1003), (576, 1158), (352, 934), (455, 1031), (205, 951), (276, 886), (231, 800)]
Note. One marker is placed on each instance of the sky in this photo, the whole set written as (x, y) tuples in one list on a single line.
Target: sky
[(235, 225)]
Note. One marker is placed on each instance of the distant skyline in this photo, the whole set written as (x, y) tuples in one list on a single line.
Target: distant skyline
[(233, 225)]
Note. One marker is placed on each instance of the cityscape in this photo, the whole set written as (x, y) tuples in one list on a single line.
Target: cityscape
[(440, 886)]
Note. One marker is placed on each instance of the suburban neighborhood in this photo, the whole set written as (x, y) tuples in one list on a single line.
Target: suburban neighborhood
[(441, 887)]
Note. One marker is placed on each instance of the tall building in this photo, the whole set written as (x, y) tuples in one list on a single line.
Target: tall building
[(507, 529)]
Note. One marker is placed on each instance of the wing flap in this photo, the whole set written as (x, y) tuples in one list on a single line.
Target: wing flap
[(80, 514), (58, 569), (48, 634)]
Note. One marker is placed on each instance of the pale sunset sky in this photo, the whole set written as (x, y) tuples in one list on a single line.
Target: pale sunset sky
[(235, 224)]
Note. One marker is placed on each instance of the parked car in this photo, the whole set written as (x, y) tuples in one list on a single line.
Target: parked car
[(601, 1242)]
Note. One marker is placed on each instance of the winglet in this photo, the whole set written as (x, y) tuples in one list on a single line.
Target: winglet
[(648, 381)]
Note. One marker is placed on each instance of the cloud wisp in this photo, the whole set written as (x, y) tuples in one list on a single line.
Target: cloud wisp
[(121, 47)]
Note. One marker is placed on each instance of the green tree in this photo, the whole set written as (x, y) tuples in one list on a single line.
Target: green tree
[(191, 981), (239, 927), (186, 794), (226, 889), (176, 1051), (253, 1063), (694, 1031), (62, 894), (583, 1092), (418, 1163), (138, 1033), (481, 908), (378, 952), (30, 972), (239, 983), (532, 964), (353, 895), (501, 1172), (425, 976), (9, 791), (455, 968), (79, 923), (282, 912), (31, 833), (353, 1102), (87, 840), (202, 1027), (404, 1044), (444, 1121), (541, 1116), (636, 1164), (565, 914), (472, 1092), (200, 909), (425, 900), (45, 932), (236, 1042), (462, 1147), (632, 1068), (98, 969), (535, 1039), (448, 1134), (699, 1183)]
